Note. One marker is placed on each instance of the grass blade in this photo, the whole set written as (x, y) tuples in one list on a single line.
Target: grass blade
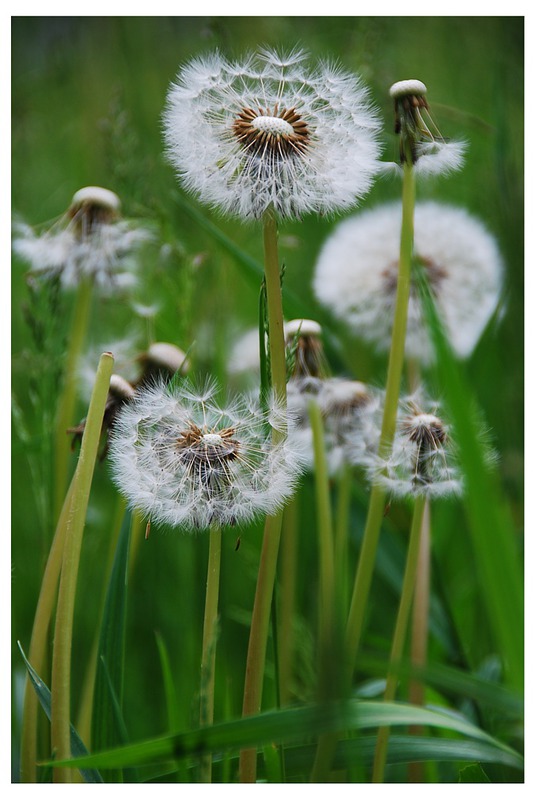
[(289, 725), (78, 748)]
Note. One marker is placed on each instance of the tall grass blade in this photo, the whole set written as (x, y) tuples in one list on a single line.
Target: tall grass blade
[(90, 775)]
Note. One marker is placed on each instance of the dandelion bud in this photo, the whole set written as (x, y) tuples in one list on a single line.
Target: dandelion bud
[(305, 348), (93, 206), (162, 360)]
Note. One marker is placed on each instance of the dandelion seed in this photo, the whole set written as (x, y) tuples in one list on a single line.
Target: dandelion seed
[(356, 275), (423, 459), (184, 460), (89, 241), (271, 132)]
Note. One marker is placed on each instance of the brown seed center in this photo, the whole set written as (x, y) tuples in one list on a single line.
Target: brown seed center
[(282, 133)]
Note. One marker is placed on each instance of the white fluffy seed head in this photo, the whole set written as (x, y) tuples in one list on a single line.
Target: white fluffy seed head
[(269, 131), (87, 243), (356, 275), (423, 459), (351, 418), (184, 460)]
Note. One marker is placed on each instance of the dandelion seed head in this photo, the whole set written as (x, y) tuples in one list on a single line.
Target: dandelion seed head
[(271, 131), (423, 458), (356, 275), (185, 460), (89, 242)]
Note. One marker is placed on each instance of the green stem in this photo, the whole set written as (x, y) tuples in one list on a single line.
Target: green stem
[(374, 519), (420, 629), (38, 643), (61, 658), (327, 680), (289, 551), (256, 654), (209, 643), (67, 400), (400, 632), (341, 539)]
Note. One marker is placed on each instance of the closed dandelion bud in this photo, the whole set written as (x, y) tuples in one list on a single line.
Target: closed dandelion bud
[(184, 460), (356, 276), (271, 132), (423, 459), (89, 242), (421, 143), (162, 359), (120, 392), (304, 348)]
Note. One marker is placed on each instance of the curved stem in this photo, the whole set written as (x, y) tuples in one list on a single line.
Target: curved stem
[(38, 643), (61, 657), (67, 400)]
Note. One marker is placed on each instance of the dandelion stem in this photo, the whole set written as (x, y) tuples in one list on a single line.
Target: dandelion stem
[(289, 551), (374, 519), (61, 657), (38, 643), (209, 643), (398, 641), (256, 654), (326, 601), (420, 629), (67, 400)]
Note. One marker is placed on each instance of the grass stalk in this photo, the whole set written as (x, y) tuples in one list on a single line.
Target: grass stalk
[(61, 657), (256, 654), (38, 643), (400, 632), (209, 643), (67, 400)]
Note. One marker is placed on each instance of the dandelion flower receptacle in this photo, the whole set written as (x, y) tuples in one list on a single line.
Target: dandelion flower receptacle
[(271, 132), (357, 271), (184, 460)]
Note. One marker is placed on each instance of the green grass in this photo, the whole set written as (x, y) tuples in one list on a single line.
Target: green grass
[(87, 97)]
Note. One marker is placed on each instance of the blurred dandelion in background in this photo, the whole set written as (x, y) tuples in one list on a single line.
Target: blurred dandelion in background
[(90, 241), (357, 269)]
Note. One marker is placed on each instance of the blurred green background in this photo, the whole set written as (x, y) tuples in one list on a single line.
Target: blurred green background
[(87, 100)]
